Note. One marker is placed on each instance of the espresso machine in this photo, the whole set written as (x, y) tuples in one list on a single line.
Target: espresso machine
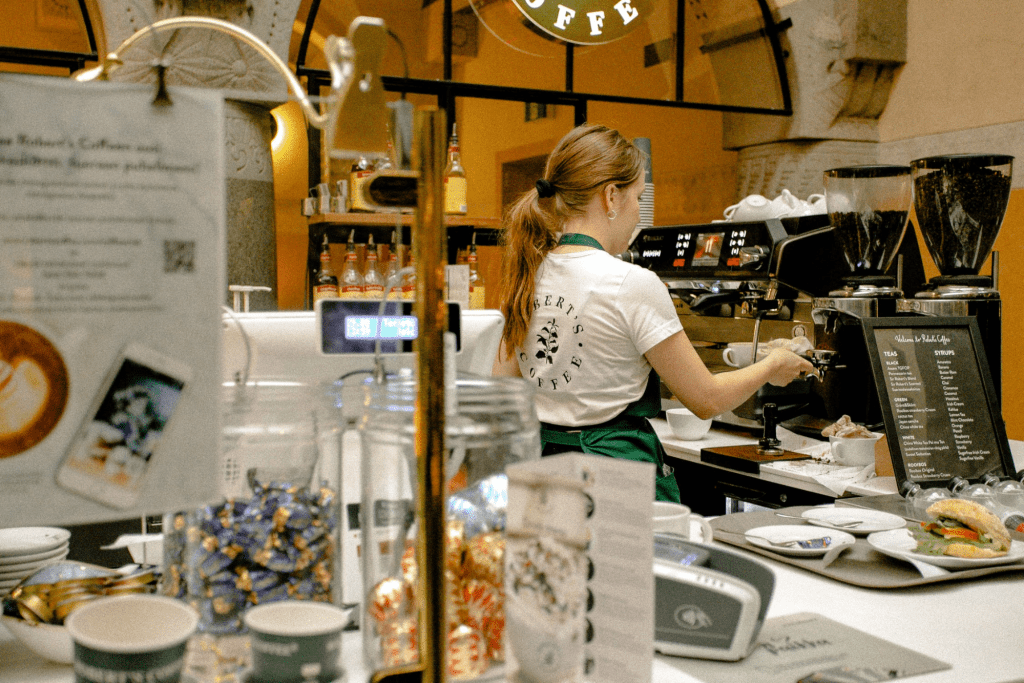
[(959, 201), (868, 207), (749, 281)]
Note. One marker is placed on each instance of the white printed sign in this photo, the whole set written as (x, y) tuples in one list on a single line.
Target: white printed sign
[(112, 270)]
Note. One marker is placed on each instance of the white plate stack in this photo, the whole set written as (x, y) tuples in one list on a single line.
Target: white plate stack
[(647, 207), (26, 550)]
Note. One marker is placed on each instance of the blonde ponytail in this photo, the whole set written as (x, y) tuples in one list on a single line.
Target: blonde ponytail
[(526, 240)]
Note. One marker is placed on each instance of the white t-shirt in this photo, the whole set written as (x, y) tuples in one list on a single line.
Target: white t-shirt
[(594, 318)]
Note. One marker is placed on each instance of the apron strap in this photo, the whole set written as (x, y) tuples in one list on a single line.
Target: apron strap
[(580, 240)]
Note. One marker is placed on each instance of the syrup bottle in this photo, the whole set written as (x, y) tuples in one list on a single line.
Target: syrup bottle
[(455, 183), (477, 288), (351, 283), (409, 280), (362, 169), (373, 281), (326, 286), (390, 267)]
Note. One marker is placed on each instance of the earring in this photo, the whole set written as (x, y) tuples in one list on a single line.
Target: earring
[(612, 214)]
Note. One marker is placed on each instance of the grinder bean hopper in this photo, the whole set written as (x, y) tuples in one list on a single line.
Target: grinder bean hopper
[(868, 207), (959, 202)]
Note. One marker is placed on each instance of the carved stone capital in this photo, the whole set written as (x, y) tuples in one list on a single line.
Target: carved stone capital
[(841, 60), (203, 57)]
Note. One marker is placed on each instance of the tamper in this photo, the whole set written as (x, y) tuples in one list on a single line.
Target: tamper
[(769, 444)]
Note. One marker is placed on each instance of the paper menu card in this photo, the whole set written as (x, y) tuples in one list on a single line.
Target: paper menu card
[(619, 640), (112, 271), (811, 647)]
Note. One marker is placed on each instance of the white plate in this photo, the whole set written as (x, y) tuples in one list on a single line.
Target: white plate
[(32, 558), (31, 539), (900, 544), (29, 568), (763, 535), (870, 520)]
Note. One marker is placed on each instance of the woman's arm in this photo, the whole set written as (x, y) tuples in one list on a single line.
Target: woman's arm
[(503, 365), (706, 394)]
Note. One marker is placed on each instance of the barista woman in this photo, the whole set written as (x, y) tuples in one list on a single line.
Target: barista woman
[(586, 328)]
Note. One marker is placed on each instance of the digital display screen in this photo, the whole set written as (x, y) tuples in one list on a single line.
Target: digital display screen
[(386, 327), (354, 326), (709, 249)]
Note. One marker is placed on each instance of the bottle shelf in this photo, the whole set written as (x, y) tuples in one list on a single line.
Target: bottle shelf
[(358, 218), (337, 226)]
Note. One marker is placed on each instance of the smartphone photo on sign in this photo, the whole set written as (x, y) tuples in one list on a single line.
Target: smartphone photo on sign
[(113, 450)]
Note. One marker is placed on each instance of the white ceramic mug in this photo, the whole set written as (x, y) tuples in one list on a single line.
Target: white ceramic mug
[(853, 451), (786, 205), (751, 208), (816, 205), (678, 519), (738, 354)]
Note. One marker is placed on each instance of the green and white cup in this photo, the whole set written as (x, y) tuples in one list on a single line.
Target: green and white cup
[(295, 641), (130, 638)]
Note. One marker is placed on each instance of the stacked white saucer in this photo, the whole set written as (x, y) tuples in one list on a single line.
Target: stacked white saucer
[(26, 550)]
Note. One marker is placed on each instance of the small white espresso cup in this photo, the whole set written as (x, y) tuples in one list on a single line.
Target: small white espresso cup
[(737, 354), (753, 207), (678, 519), (854, 452)]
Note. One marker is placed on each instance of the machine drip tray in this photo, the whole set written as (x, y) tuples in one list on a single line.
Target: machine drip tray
[(807, 425)]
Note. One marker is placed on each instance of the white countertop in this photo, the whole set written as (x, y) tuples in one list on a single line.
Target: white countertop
[(690, 450), (932, 620)]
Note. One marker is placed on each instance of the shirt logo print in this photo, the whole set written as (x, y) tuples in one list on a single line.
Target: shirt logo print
[(547, 342)]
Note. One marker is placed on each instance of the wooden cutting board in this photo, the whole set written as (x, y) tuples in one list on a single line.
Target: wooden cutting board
[(744, 458)]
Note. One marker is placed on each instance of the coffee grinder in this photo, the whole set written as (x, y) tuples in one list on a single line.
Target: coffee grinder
[(868, 207), (959, 201)]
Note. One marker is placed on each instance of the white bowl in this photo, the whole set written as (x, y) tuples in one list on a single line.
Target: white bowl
[(46, 640), (685, 425)]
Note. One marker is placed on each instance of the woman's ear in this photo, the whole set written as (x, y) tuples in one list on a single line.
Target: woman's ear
[(609, 193)]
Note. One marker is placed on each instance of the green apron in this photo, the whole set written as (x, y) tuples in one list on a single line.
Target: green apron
[(628, 435)]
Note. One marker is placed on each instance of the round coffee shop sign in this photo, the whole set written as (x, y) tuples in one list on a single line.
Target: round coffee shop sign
[(586, 22)]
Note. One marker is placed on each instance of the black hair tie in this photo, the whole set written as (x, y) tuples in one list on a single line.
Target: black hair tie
[(544, 189)]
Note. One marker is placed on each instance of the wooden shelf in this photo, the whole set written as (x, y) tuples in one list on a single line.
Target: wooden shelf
[(385, 219)]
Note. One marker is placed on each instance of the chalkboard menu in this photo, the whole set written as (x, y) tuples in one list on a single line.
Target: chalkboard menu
[(942, 417)]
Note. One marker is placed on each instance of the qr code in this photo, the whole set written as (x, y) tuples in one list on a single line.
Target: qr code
[(179, 256)]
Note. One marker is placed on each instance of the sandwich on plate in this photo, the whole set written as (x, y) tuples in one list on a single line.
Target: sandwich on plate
[(961, 528)]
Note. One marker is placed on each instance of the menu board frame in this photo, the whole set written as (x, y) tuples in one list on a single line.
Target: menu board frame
[(991, 412)]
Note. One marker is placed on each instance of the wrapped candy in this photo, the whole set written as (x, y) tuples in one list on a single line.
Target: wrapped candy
[(454, 546), (485, 557), (389, 599), (274, 546), (399, 644), (481, 600), (494, 634), (467, 653)]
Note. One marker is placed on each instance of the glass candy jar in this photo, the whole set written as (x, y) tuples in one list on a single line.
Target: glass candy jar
[(492, 424), (273, 534)]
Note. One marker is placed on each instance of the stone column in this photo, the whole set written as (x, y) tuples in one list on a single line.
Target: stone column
[(207, 58), (841, 58)]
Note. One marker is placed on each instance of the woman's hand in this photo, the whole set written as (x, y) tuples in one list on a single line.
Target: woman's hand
[(707, 395), (787, 367)]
